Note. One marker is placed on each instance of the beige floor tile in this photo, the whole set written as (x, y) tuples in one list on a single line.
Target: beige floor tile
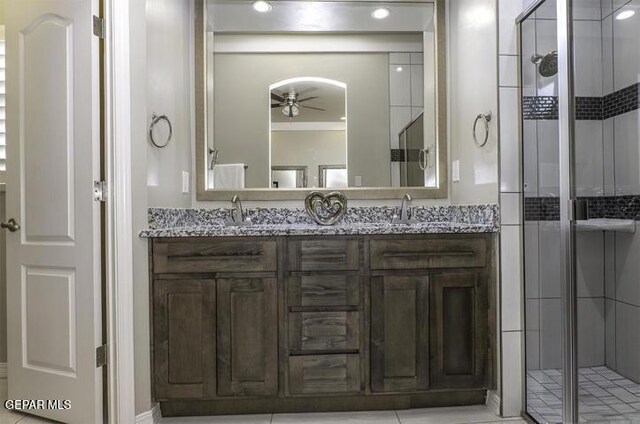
[(31, 419), (451, 415), (223, 419), (9, 417), (366, 417)]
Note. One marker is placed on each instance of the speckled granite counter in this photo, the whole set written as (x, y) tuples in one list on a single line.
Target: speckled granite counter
[(166, 222)]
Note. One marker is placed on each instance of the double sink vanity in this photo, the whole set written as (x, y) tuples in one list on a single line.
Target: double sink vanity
[(282, 314)]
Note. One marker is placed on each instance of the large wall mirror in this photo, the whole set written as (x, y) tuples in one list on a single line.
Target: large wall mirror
[(295, 96)]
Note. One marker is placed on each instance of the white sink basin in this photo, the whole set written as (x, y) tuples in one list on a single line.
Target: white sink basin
[(607, 224)]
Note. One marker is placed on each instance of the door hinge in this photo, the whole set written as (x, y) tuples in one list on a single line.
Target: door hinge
[(99, 191), (101, 356), (98, 27)]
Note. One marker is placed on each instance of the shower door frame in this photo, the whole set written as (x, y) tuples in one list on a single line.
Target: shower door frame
[(566, 120)]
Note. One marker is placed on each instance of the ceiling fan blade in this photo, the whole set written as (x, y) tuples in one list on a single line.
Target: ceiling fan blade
[(307, 99), (306, 90), (314, 108), (277, 97), (275, 106)]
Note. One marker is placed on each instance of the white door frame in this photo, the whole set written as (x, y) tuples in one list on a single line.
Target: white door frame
[(119, 231)]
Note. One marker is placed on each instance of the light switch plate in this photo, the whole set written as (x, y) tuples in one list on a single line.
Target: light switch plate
[(358, 181), (185, 182), (455, 171)]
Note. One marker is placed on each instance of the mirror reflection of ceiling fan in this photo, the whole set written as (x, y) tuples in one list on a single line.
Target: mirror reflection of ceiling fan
[(291, 103)]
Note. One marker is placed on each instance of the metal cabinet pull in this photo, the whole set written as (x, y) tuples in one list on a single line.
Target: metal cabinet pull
[(11, 225)]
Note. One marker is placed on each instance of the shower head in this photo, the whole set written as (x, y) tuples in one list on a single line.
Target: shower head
[(547, 64)]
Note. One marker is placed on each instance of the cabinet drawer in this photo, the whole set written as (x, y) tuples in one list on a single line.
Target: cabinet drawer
[(312, 331), (214, 256), (428, 253), (324, 255), (314, 374), (323, 290)]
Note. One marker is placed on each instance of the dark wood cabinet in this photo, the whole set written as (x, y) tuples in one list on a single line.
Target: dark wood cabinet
[(285, 324), (247, 337), (400, 333), (184, 346), (459, 331)]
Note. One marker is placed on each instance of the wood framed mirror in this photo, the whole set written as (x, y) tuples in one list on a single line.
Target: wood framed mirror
[(320, 84)]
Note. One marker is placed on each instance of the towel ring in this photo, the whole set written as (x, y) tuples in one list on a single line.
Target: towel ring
[(154, 121), (486, 118)]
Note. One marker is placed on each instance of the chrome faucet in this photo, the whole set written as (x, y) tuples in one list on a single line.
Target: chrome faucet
[(406, 213), (237, 216)]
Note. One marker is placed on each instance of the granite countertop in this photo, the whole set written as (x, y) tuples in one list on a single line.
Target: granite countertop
[(165, 222)]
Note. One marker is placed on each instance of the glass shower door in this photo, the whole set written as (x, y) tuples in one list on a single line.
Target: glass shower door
[(542, 248), (606, 186), (580, 65)]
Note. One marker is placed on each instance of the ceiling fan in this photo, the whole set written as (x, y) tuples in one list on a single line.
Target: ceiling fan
[(290, 102)]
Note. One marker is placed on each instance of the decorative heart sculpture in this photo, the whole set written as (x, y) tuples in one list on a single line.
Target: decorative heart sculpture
[(326, 209)]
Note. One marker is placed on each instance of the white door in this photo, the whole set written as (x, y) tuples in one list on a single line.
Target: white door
[(53, 260)]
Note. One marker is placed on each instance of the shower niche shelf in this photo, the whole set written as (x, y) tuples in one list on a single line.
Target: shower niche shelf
[(607, 224)]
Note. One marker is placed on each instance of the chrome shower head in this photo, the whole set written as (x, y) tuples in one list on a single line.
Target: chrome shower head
[(547, 64)]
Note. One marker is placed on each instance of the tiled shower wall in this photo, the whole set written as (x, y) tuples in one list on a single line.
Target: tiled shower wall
[(406, 96), (621, 157)]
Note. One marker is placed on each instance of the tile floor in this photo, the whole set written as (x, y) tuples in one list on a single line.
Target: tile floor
[(605, 396), (455, 415), (458, 415)]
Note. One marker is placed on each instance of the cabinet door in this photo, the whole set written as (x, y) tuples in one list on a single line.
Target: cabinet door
[(458, 330), (399, 333), (247, 337), (184, 339)]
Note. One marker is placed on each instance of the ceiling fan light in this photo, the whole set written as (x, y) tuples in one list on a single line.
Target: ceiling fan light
[(291, 111), (261, 6)]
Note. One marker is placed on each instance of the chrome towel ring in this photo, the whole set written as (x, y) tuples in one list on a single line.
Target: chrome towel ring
[(486, 118), (154, 121)]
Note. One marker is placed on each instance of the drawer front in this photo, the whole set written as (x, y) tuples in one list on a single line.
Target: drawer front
[(313, 374), (214, 256), (428, 253), (324, 255), (313, 331), (323, 290)]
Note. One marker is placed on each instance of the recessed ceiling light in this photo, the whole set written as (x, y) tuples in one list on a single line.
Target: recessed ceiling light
[(626, 14), (399, 69), (261, 6), (344, 118), (381, 13)]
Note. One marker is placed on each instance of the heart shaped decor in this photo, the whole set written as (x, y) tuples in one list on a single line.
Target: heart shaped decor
[(326, 209)]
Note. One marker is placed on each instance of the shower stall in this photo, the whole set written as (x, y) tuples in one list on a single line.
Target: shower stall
[(580, 74)]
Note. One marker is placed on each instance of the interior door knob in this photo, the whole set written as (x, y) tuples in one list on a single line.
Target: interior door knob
[(11, 225)]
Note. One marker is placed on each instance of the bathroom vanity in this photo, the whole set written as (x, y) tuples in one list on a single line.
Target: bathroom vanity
[(298, 317)]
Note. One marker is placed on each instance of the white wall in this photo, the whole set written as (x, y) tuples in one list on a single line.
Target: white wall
[(169, 92), (161, 57), (242, 115), (308, 148), (473, 90)]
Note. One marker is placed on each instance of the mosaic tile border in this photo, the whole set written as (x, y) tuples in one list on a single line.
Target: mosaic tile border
[(617, 207), (399, 155), (587, 108)]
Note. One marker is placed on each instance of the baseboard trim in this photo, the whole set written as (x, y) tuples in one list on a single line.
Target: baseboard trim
[(493, 402), (153, 416), (3, 370)]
